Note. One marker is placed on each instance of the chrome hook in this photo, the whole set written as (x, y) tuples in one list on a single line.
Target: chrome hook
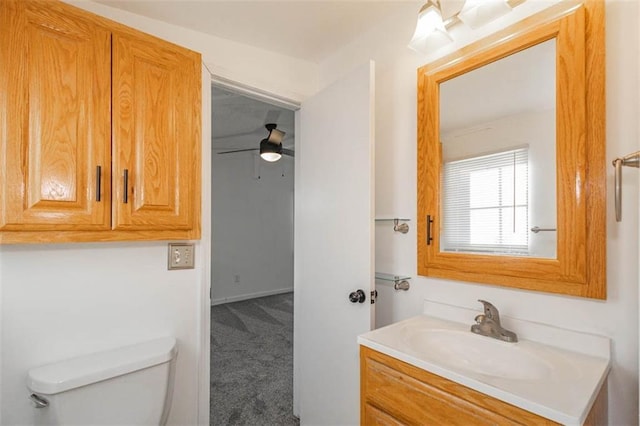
[(400, 227)]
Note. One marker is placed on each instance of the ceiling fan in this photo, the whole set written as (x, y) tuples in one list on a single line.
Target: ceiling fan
[(271, 147)]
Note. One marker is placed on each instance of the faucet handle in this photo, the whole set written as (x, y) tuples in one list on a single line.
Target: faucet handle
[(490, 311), (479, 319)]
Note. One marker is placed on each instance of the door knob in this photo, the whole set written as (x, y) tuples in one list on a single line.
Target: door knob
[(358, 296)]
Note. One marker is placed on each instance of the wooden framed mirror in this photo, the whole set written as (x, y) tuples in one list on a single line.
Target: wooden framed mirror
[(540, 164)]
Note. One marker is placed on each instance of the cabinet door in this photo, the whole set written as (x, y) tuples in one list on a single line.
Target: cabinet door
[(372, 416), (54, 118), (156, 127)]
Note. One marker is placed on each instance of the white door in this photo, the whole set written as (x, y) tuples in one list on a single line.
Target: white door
[(334, 247)]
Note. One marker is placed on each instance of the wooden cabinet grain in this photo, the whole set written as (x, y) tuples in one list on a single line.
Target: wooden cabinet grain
[(55, 77), (82, 99), (396, 393), (156, 119)]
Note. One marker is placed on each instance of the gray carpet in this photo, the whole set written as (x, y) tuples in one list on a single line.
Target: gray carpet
[(252, 362)]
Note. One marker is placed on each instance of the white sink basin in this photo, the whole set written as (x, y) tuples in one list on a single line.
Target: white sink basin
[(557, 379), (463, 350)]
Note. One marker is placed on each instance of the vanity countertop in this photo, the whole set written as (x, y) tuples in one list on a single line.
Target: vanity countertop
[(558, 375)]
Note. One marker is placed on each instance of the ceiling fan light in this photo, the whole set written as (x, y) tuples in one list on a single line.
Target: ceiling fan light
[(270, 156), (270, 151)]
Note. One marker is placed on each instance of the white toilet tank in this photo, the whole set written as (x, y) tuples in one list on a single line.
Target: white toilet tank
[(132, 385)]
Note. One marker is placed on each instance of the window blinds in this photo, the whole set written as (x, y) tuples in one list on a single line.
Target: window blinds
[(485, 204)]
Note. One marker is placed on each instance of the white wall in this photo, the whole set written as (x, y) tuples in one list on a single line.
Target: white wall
[(616, 317), (1, 345), (252, 226), (64, 300)]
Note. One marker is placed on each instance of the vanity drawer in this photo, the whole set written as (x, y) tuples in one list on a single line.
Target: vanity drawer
[(394, 392), (375, 417)]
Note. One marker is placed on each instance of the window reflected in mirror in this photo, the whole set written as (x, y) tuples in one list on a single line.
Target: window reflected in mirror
[(498, 136), (485, 203)]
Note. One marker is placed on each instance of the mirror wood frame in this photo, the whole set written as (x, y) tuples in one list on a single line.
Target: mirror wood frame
[(580, 266)]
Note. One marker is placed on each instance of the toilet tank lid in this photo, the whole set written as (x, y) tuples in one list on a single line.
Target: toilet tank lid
[(84, 370)]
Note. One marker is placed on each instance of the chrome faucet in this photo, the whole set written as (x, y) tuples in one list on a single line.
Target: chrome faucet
[(488, 324)]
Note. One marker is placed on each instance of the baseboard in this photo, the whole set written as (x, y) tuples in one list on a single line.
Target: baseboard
[(241, 297)]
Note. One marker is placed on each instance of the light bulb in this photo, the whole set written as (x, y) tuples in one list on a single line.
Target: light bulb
[(270, 156)]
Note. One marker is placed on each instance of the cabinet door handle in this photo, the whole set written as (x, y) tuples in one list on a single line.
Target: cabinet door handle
[(98, 183), (429, 222), (125, 196)]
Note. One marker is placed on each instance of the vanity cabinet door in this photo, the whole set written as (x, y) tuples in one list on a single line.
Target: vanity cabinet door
[(156, 134), (55, 77), (394, 392), (371, 416)]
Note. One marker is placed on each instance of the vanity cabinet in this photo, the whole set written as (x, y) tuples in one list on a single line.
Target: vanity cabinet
[(99, 129), (393, 392)]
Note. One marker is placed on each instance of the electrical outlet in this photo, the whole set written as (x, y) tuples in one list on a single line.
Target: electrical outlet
[(181, 256), (236, 279)]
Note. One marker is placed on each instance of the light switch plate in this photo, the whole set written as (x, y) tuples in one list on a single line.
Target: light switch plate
[(181, 256)]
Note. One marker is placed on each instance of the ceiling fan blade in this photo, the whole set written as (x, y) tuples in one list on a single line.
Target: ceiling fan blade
[(235, 135), (239, 150), (288, 152)]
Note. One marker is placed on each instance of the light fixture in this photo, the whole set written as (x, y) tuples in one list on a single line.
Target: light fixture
[(476, 13), (430, 30), (271, 147), (270, 151)]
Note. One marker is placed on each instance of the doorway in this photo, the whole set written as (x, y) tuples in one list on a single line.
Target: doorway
[(251, 263)]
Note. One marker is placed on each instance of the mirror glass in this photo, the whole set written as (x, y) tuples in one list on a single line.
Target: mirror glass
[(498, 177)]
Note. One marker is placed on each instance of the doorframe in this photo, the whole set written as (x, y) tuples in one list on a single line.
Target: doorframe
[(204, 298), (256, 93)]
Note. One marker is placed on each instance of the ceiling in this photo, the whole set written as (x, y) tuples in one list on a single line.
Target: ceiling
[(304, 29), (309, 30), (238, 121)]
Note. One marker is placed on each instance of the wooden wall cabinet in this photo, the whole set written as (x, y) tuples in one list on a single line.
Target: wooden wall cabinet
[(84, 101), (393, 392)]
